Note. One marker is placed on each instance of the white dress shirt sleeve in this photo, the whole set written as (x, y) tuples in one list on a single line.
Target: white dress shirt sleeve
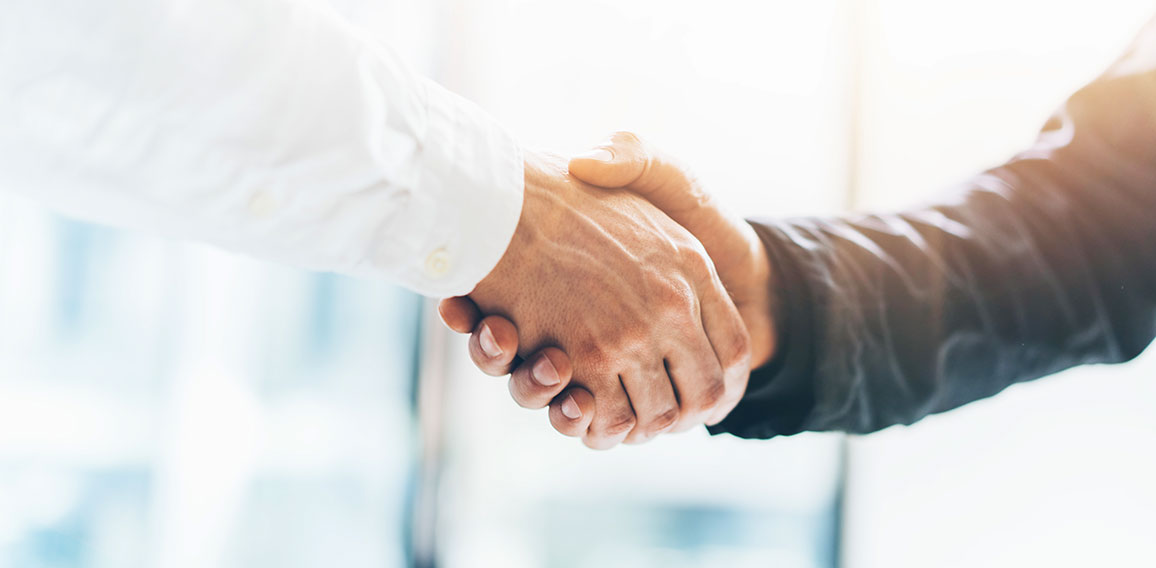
[(269, 127)]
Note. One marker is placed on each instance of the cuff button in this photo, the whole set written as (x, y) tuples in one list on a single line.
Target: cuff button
[(437, 264)]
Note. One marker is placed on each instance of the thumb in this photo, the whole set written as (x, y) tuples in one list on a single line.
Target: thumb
[(626, 161), (615, 164)]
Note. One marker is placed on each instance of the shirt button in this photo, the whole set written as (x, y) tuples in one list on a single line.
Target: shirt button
[(437, 264), (262, 204)]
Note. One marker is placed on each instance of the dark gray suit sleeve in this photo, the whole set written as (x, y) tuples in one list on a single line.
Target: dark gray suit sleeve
[(1036, 266)]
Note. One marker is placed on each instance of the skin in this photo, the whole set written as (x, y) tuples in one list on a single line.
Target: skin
[(626, 162), (613, 300)]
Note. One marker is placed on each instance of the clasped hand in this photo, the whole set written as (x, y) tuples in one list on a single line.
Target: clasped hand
[(606, 308)]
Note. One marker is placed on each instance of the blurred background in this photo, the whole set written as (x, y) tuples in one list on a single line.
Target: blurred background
[(168, 405)]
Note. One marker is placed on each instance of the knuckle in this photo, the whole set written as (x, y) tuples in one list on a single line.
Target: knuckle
[(713, 392), (664, 420), (618, 423), (623, 342), (597, 358), (695, 260), (675, 299), (677, 295), (736, 351)]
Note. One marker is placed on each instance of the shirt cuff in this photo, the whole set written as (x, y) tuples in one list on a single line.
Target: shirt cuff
[(475, 168)]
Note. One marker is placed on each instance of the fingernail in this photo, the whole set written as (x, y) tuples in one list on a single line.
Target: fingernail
[(544, 373), (488, 343), (599, 154), (570, 408)]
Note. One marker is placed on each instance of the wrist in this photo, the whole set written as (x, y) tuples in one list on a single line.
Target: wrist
[(760, 321), (754, 292), (537, 214)]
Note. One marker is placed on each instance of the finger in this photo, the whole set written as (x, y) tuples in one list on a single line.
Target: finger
[(731, 344), (655, 406), (613, 417), (697, 378), (540, 378), (459, 313), (572, 411), (494, 345)]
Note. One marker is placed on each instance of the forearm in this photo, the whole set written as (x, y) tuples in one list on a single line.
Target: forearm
[(1040, 265), (269, 127)]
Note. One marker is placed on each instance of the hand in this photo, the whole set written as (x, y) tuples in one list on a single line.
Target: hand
[(631, 296), (738, 254)]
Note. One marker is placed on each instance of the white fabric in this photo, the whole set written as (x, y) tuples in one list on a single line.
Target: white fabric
[(269, 127)]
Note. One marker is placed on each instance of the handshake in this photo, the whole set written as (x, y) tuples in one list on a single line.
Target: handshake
[(628, 300)]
